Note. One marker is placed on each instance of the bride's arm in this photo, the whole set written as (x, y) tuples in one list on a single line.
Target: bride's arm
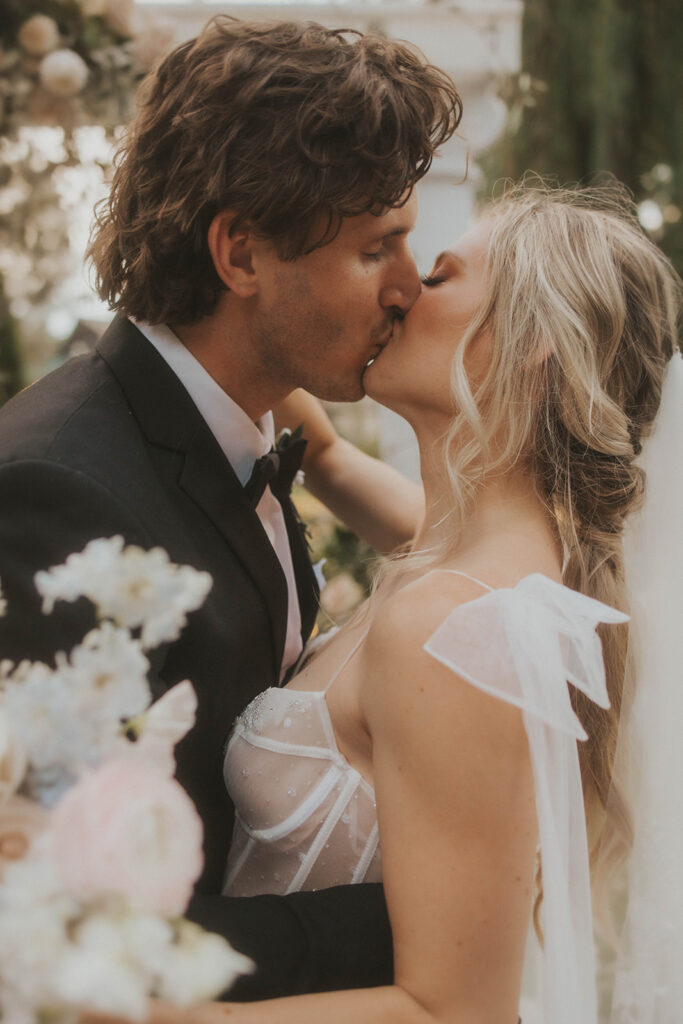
[(457, 832), (373, 499)]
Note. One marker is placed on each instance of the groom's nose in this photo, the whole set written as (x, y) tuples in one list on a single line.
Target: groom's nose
[(402, 287)]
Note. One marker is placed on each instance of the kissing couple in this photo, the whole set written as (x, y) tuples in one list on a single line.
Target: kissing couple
[(385, 814)]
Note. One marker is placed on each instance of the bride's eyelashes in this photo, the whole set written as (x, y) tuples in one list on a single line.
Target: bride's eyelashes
[(429, 281)]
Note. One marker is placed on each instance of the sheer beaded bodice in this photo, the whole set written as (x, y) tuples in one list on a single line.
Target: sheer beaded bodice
[(305, 818)]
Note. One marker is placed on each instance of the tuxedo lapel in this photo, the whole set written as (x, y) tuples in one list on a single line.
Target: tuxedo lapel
[(208, 479), (169, 419)]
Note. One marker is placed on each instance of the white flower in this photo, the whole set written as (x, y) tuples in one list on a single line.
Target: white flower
[(134, 587), (108, 965), (63, 73), (200, 966), (39, 709), (12, 759), (341, 595), (39, 35), (70, 717), (34, 917), (108, 672)]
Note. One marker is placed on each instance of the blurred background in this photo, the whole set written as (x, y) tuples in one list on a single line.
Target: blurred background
[(569, 88)]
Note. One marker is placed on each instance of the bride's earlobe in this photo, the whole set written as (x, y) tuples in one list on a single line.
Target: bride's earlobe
[(231, 254)]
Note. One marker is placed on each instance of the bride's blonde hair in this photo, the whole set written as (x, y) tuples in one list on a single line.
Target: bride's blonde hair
[(582, 309)]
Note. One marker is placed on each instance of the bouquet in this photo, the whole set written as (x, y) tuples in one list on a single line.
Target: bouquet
[(99, 845)]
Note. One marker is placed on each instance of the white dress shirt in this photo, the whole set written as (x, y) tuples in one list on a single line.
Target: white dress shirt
[(242, 442)]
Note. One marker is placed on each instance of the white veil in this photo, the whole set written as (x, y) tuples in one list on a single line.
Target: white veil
[(648, 982)]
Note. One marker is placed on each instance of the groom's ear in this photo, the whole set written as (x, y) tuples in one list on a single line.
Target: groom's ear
[(231, 252)]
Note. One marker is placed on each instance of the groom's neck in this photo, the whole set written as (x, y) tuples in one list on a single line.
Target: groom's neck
[(223, 346)]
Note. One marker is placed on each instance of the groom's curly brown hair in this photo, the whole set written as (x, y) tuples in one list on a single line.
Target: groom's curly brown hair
[(291, 126)]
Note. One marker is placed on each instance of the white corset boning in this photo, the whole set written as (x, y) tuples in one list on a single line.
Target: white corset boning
[(304, 817)]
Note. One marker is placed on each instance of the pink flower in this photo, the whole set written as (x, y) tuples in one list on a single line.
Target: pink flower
[(128, 828)]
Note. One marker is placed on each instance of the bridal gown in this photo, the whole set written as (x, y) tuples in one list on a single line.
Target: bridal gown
[(306, 819)]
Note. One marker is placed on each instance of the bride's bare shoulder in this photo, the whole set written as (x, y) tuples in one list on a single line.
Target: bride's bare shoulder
[(410, 615), (406, 689)]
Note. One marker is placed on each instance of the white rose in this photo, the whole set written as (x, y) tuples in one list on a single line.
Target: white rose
[(12, 759), (39, 35), (341, 595), (63, 73)]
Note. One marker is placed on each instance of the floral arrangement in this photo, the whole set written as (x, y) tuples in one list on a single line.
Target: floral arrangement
[(69, 70), (99, 845), (75, 61)]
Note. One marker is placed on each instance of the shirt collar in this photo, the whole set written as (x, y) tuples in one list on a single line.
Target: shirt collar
[(242, 441)]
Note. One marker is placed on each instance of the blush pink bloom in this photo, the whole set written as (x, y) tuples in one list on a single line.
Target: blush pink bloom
[(128, 828)]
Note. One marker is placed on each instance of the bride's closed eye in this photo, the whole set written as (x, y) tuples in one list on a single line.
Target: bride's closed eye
[(429, 281)]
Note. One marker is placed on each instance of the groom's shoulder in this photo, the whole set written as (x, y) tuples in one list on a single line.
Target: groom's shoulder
[(68, 406), (80, 407)]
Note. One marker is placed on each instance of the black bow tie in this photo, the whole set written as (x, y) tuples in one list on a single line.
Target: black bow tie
[(278, 467)]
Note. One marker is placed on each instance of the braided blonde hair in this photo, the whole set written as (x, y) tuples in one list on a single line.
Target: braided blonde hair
[(582, 308)]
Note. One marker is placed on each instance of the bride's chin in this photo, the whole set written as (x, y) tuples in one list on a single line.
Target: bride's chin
[(378, 388)]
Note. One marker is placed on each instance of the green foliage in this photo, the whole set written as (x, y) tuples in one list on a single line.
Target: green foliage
[(11, 377), (344, 551), (600, 92)]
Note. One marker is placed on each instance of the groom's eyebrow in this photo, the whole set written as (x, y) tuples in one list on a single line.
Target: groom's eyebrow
[(394, 233)]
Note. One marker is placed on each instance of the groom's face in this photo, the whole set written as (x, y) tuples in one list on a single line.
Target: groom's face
[(320, 319)]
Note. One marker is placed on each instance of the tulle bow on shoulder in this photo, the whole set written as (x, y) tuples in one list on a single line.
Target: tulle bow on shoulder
[(523, 645)]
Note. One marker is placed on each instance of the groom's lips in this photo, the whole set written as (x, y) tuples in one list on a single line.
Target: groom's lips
[(382, 344)]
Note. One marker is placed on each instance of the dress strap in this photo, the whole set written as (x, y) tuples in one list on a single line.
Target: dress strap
[(346, 660), (360, 640), (467, 576)]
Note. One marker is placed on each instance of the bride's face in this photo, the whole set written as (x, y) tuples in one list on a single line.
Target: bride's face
[(412, 373)]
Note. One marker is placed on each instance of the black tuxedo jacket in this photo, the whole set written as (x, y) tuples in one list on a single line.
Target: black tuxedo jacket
[(111, 443)]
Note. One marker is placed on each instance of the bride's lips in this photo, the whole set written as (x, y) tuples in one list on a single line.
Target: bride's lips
[(380, 346)]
